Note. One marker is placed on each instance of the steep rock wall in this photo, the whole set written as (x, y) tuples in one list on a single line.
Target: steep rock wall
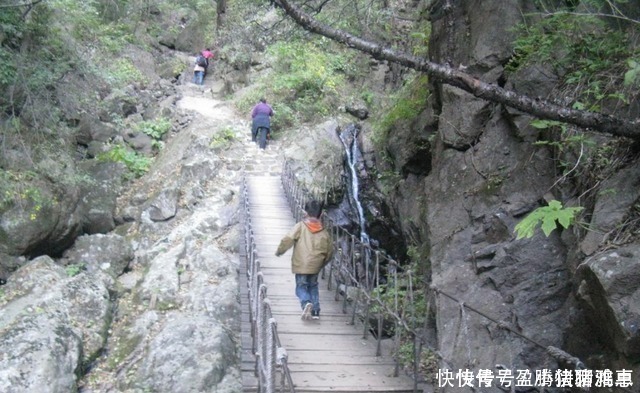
[(483, 175)]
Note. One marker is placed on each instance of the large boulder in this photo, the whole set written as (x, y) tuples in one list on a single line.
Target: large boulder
[(99, 195), (109, 253), (46, 221), (315, 154), (191, 353), (609, 289), (51, 325), (612, 207)]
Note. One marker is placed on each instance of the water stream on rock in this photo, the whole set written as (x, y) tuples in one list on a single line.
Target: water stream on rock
[(349, 137)]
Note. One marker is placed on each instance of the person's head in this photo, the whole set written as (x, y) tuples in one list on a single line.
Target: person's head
[(313, 208), (263, 100)]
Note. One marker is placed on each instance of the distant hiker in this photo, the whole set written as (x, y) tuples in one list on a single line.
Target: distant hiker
[(261, 117), (312, 250), (199, 69), (201, 66), (208, 55)]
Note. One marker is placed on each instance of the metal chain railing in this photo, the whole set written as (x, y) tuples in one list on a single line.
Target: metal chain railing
[(271, 357), (385, 290)]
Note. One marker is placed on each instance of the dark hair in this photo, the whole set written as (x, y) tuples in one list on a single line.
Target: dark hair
[(313, 208), (264, 100)]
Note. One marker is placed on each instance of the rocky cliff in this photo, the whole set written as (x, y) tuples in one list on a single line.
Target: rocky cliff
[(481, 173)]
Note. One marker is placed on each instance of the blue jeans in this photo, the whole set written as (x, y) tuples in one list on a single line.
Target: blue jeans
[(307, 290), (198, 77)]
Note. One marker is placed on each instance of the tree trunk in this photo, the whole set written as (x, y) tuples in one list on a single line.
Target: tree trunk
[(533, 106), (221, 10)]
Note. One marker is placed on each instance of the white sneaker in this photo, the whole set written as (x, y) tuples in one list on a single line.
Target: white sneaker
[(306, 313)]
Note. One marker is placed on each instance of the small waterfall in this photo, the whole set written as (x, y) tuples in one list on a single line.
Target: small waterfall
[(349, 138)]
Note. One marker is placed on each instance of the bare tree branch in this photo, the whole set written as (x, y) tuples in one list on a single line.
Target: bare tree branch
[(536, 107), (594, 14)]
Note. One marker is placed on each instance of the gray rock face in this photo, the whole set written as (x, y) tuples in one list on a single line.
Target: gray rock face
[(609, 289), (477, 176), (472, 193), (50, 325), (612, 207), (98, 203), (177, 323), (172, 363), (158, 301), (47, 224), (109, 253), (164, 206), (465, 116), (140, 142)]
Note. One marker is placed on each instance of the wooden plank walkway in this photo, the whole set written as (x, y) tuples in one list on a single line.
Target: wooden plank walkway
[(326, 355)]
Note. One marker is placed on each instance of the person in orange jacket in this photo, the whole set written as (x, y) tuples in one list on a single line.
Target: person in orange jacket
[(312, 250)]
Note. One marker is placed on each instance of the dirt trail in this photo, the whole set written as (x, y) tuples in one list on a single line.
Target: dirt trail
[(205, 100)]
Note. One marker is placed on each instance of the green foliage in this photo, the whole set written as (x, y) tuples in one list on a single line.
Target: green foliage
[(137, 164), (21, 189), (113, 38), (388, 180), (74, 269), (590, 54), (421, 41), (32, 60), (154, 128), (12, 26), (427, 364), (547, 217), (223, 138), (367, 96), (305, 84), (7, 68), (569, 146), (566, 141), (122, 72), (406, 105), (403, 296), (305, 70), (632, 76)]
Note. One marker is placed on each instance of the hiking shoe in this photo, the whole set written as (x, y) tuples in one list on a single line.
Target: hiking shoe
[(315, 315), (306, 313)]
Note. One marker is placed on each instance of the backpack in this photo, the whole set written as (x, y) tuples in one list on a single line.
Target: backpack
[(201, 61)]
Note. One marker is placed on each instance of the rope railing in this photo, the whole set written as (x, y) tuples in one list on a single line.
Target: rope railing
[(378, 289), (271, 357), (358, 268)]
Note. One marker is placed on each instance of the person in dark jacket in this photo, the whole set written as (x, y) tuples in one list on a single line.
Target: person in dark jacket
[(312, 250), (261, 117)]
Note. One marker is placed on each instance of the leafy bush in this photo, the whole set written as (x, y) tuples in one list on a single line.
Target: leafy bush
[(7, 67), (122, 72), (586, 51), (405, 105), (306, 82), (137, 164), (632, 76), (154, 128), (223, 138)]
